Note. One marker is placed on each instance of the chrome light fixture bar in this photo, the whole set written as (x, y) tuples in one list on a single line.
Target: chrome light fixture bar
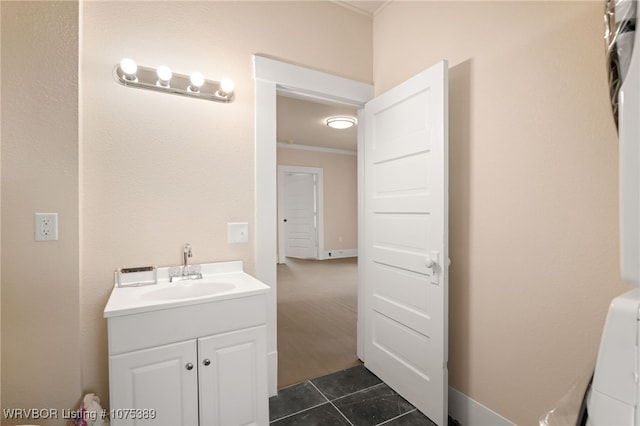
[(162, 79)]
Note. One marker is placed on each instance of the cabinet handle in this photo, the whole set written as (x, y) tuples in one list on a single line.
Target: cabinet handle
[(206, 362), (189, 366)]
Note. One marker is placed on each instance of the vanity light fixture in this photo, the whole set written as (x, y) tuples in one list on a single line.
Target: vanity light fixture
[(341, 122), (162, 79)]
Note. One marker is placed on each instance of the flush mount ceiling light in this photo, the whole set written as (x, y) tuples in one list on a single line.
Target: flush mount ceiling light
[(162, 79), (341, 122)]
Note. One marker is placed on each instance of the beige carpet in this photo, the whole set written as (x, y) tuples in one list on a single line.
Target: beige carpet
[(317, 312)]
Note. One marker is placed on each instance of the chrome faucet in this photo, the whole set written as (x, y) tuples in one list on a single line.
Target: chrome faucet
[(188, 272), (186, 255)]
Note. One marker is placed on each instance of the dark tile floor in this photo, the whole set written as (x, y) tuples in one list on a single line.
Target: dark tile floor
[(353, 397)]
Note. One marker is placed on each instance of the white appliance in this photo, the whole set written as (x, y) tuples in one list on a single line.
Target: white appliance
[(615, 391)]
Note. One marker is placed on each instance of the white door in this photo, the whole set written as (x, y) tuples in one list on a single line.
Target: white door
[(162, 379), (406, 240), (300, 211), (233, 378)]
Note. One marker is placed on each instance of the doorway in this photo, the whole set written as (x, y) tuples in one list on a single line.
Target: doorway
[(317, 240), (273, 77)]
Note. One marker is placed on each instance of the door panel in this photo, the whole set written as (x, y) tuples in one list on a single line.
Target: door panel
[(402, 175), (402, 343), (395, 141), (400, 241), (408, 289), (406, 240)]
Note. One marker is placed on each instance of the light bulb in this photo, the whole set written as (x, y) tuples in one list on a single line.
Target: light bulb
[(226, 86), (164, 75), (197, 80), (129, 68)]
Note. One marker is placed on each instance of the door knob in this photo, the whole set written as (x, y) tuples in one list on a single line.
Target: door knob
[(189, 366), (432, 261), (429, 262), (206, 362)]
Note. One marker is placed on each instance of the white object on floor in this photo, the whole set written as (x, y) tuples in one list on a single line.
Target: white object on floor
[(615, 391)]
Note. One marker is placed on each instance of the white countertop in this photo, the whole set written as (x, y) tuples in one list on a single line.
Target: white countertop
[(234, 282)]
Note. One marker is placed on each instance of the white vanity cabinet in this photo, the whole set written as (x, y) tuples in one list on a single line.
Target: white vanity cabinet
[(199, 364)]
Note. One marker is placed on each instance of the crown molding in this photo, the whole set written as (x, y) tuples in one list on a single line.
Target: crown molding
[(314, 148)]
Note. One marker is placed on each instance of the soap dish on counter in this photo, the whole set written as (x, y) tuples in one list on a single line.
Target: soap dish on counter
[(138, 276)]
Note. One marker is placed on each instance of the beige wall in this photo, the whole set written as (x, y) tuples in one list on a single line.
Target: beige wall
[(533, 169), (340, 193), (160, 170), (40, 280)]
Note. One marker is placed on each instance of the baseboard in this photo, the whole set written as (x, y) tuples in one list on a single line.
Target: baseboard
[(471, 413), (339, 253)]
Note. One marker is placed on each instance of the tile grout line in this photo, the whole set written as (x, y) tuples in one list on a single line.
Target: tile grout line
[(352, 393), (332, 404), (306, 409), (310, 381), (296, 413), (396, 417), (316, 388), (360, 391)]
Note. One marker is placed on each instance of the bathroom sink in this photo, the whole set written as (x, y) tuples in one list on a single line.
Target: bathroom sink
[(187, 290), (221, 281)]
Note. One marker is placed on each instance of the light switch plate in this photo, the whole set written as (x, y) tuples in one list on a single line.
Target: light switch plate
[(238, 232)]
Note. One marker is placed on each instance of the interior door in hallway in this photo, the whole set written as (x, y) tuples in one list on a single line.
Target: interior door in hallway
[(406, 240), (300, 215)]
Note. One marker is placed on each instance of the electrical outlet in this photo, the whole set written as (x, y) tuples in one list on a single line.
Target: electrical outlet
[(46, 226)]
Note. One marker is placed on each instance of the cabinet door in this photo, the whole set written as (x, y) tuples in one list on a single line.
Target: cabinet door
[(233, 378), (161, 380)]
